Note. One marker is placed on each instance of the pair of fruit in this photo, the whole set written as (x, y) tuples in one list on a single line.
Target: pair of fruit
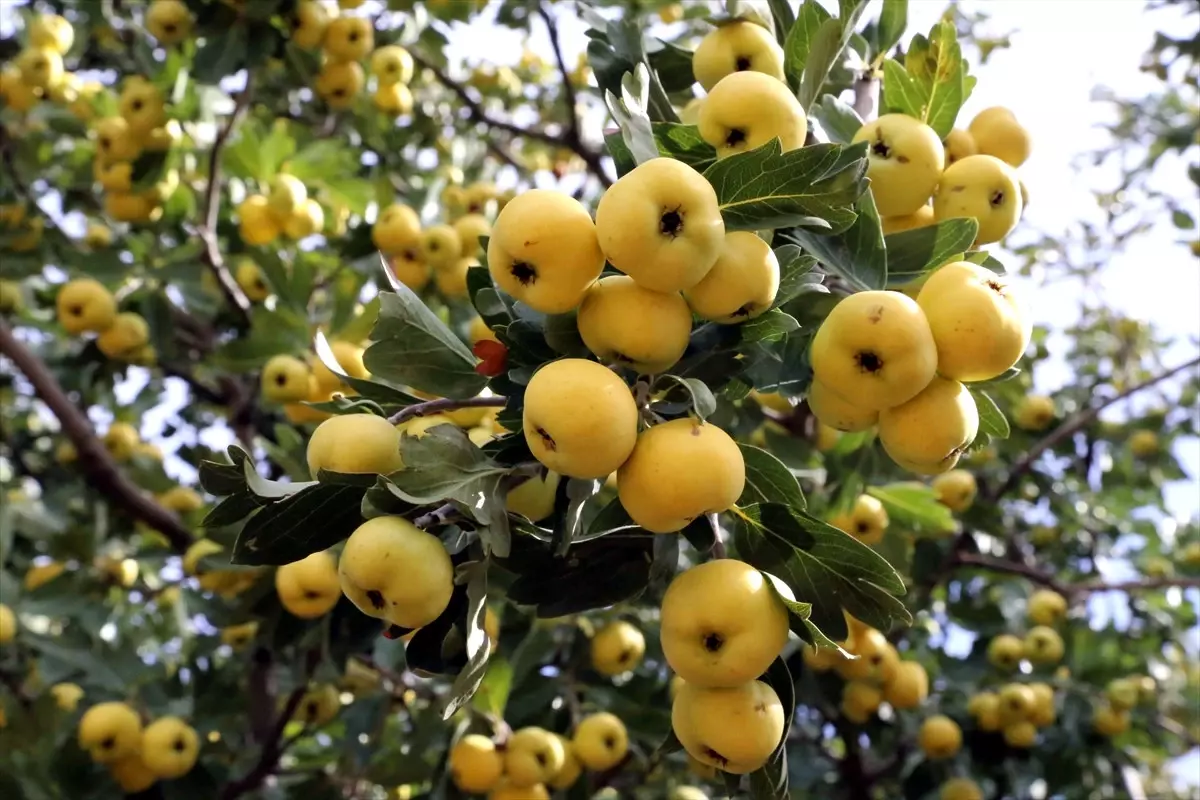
[(40, 65), (392, 67), (84, 305), (1042, 645), (137, 757), (581, 420), (882, 358), (723, 624), (1018, 710)]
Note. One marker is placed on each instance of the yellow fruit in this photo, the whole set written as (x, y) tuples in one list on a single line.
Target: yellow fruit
[(110, 732), (451, 280), (238, 636), (478, 330), (1108, 721), (475, 764), (830, 409), (348, 39), (51, 32), (534, 498), (39, 575), (287, 195), (128, 333), (1016, 701), (867, 520), (1005, 652), (734, 729), (1122, 694), (532, 757), (827, 437), (918, 219), (491, 626), (84, 305), (132, 774), (876, 662), (741, 284), (339, 83), (168, 21), (441, 245), (660, 224), (410, 269), (394, 571), (181, 499), (927, 434), (996, 132), (745, 110), (397, 228), (470, 228), (309, 24), (10, 297), (285, 379), (736, 47), (120, 440), (908, 688), (874, 350), (860, 701), (476, 197), (544, 251), (985, 708), (983, 188), (41, 67), (143, 107), (305, 221), (622, 323), (114, 176), (579, 419), (904, 161), (309, 588), (392, 64), (571, 769), (1034, 413), (507, 791), (600, 741), (722, 623), (959, 144), (955, 489), (678, 471), (349, 357), (1043, 645), (66, 696), (1042, 713), (940, 737), (257, 224), (355, 443), (8, 624), (960, 789), (617, 648), (1143, 444), (319, 706), (170, 747), (127, 207), (977, 319), (690, 113)]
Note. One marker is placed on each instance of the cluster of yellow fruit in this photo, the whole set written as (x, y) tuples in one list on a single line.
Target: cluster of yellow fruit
[(444, 250), (883, 359), (38, 71), (1110, 715), (137, 757), (285, 210), (292, 381), (141, 127), (723, 624), (84, 305), (1042, 645), (1017, 710), (24, 233), (874, 673), (533, 760)]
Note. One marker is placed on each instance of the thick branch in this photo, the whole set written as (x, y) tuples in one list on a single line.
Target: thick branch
[(445, 404), (211, 207), (97, 464), (1077, 423), (1048, 580)]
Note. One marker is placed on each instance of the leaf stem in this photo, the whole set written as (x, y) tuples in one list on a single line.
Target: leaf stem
[(445, 404)]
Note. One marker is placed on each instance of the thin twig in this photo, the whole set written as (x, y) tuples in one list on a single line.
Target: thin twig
[(1072, 426), (1048, 580), (94, 459), (211, 207), (445, 404), (439, 516)]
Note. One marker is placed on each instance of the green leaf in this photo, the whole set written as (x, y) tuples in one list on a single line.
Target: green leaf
[(756, 11), (93, 665), (826, 48), (991, 419), (629, 112), (800, 39), (911, 504), (221, 54), (932, 84), (893, 19), (913, 253), (414, 348), (492, 694), (771, 326), (796, 274), (821, 565), (766, 188), (770, 782), (672, 139), (703, 402), (838, 119), (315, 518), (478, 645), (271, 333), (599, 572), (858, 254), (768, 480)]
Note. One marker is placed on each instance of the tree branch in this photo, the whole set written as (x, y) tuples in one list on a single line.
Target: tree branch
[(1049, 581), (866, 86), (211, 207), (102, 472), (1072, 426), (445, 404)]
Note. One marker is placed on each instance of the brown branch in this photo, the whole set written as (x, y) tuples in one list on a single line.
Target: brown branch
[(1067, 589), (211, 207), (102, 472), (1072, 426), (445, 404), (866, 87)]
